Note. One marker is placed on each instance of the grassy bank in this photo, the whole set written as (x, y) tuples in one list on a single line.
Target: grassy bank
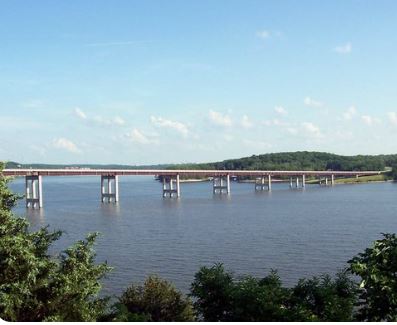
[(363, 179), (354, 180)]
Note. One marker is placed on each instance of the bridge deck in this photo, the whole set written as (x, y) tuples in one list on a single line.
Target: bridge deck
[(190, 173)]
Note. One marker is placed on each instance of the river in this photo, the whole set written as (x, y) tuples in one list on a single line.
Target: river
[(300, 233)]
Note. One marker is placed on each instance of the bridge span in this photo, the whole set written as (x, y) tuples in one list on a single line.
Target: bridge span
[(171, 179)]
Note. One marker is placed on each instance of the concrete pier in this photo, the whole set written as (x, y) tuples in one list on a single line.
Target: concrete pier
[(169, 188), (261, 185), (297, 184), (34, 191), (109, 188), (332, 179), (221, 184)]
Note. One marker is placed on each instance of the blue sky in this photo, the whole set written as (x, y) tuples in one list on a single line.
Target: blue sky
[(146, 82)]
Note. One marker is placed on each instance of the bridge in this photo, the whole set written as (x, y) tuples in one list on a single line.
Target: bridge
[(171, 179)]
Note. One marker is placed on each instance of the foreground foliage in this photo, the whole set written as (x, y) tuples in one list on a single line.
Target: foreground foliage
[(221, 297), (377, 268), (35, 286), (157, 300)]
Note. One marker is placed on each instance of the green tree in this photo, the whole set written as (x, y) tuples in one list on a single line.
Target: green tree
[(377, 267), (393, 172), (220, 297), (212, 289), (157, 300), (34, 286), (259, 299), (323, 299)]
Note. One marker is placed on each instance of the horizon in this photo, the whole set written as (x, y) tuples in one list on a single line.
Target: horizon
[(195, 81)]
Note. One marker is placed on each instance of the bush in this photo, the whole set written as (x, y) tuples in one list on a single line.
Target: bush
[(157, 300)]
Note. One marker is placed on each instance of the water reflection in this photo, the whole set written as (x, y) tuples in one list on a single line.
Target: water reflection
[(35, 216), (171, 202), (111, 209)]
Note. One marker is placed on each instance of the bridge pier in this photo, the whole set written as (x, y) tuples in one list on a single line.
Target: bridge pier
[(168, 186), (34, 191), (297, 185), (219, 185), (260, 184), (332, 179), (109, 188)]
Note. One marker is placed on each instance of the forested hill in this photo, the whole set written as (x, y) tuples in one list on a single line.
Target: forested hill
[(302, 160)]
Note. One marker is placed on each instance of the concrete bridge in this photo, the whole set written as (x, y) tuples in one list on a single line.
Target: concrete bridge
[(171, 179)]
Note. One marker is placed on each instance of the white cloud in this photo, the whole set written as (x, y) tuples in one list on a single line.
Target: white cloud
[(281, 110), (219, 118), (350, 112), (311, 130), (80, 114), (310, 102), (65, 144), (246, 122), (117, 120), (344, 49), (292, 131), (99, 120), (392, 116), (174, 125), (103, 121), (369, 120), (138, 137), (263, 34)]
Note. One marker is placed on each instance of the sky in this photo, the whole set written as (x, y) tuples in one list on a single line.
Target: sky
[(150, 82)]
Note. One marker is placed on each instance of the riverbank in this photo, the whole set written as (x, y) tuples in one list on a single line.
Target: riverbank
[(355, 180)]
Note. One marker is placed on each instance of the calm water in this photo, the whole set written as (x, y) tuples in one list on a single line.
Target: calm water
[(298, 232)]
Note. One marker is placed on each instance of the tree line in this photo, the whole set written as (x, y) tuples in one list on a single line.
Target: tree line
[(301, 160), (38, 286)]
